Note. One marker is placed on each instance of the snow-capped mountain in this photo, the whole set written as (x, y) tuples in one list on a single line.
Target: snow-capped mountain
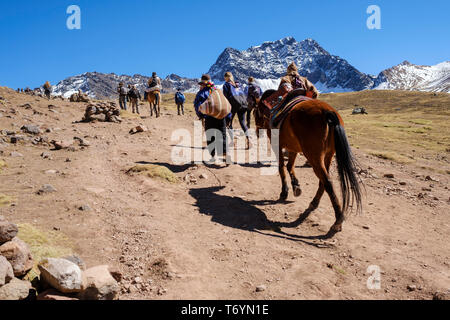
[(408, 76), (104, 86), (268, 62)]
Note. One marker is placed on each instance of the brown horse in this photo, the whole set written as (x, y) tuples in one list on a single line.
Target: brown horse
[(154, 100), (315, 129)]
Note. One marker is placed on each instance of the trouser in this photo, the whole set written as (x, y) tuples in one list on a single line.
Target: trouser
[(123, 102), (180, 106), (217, 137), (47, 94), (135, 105), (249, 115), (241, 116)]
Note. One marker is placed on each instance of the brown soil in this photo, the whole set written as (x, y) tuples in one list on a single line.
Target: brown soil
[(214, 238)]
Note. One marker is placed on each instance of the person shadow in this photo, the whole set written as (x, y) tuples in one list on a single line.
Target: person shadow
[(235, 212)]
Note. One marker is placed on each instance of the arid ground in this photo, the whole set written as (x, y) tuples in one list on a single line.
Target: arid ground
[(209, 233)]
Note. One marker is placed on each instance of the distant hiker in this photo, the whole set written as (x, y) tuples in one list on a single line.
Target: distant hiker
[(254, 94), (134, 97), (47, 89), (236, 96), (122, 91), (179, 101), (298, 82), (217, 138)]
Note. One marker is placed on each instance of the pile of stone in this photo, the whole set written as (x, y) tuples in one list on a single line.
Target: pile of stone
[(79, 97), (60, 278), (102, 111)]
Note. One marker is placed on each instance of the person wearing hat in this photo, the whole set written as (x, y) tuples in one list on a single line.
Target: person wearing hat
[(239, 107), (214, 139), (47, 89), (298, 82), (122, 91)]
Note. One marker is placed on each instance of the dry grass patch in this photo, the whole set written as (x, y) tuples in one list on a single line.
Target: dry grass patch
[(5, 200), (405, 125), (43, 244), (154, 171), (125, 114)]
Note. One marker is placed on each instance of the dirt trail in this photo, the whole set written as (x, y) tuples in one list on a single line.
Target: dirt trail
[(213, 239)]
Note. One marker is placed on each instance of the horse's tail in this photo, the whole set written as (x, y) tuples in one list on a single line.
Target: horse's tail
[(346, 164)]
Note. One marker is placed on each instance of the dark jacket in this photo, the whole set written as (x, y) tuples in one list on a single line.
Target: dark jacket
[(201, 97), (254, 93), (237, 102)]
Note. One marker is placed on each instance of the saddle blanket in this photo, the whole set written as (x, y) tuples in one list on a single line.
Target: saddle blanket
[(279, 113)]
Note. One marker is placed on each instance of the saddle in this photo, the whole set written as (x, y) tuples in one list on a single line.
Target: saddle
[(280, 111)]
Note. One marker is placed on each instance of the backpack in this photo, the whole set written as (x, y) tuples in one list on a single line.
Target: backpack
[(216, 106), (133, 93), (298, 83), (123, 91), (179, 98), (254, 94), (238, 98)]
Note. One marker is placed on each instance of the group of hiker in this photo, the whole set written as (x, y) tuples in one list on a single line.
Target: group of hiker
[(132, 95), (47, 90), (242, 102)]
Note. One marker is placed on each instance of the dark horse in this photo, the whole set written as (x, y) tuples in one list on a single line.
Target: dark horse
[(315, 129)]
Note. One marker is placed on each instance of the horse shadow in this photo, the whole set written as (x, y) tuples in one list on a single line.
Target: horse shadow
[(172, 167), (237, 213)]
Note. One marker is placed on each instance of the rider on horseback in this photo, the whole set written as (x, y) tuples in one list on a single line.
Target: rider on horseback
[(298, 82)]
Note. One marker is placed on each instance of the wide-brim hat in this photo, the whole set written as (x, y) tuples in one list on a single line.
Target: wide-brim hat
[(205, 79)]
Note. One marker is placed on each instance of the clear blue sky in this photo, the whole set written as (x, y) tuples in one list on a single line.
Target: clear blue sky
[(186, 37)]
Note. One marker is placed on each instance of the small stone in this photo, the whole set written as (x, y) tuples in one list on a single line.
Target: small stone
[(6, 271), (389, 176), (31, 129), (261, 288), (15, 290), (100, 285), (203, 176), (85, 207), (441, 295), (45, 155), (15, 154), (59, 145), (411, 288), (429, 178), (51, 172), (46, 188), (366, 227), (403, 183), (8, 230), (61, 274), (19, 256)]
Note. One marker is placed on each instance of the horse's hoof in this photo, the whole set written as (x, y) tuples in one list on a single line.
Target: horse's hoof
[(297, 191), (283, 196), (336, 228)]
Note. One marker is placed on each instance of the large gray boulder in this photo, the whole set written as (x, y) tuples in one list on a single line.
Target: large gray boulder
[(100, 285), (61, 274), (6, 271), (15, 290), (8, 230), (19, 256)]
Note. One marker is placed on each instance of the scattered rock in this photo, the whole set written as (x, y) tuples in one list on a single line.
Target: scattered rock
[(429, 178), (54, 295), (389, 175), (51, 172), (61, 274), (77, 260), (15, 154), (6, 271), (26, 106), (46, 188), (411, 288), (59, 145), (359, 111), (19, 256), (31, 129), (261, 288), (8, 230), (138, 129), (203, 176), (15, 290), (100, 285), (441, 295), (85, 207), (402, 183)]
